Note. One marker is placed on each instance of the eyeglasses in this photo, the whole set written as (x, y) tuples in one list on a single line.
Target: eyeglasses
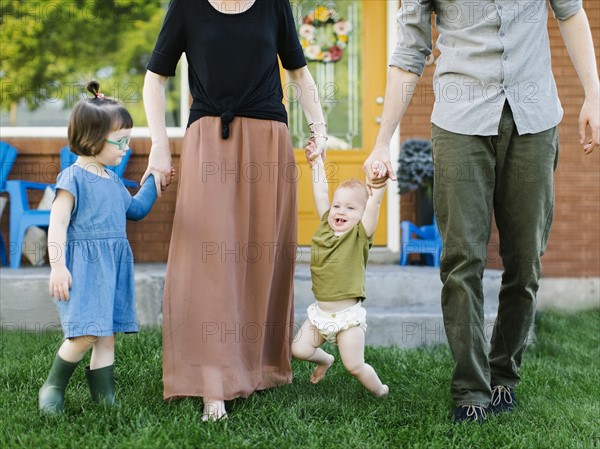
[(122, 143)]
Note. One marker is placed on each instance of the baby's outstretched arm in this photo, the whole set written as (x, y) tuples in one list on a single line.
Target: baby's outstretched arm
[(143, 201), (371, 215), (320, 186)]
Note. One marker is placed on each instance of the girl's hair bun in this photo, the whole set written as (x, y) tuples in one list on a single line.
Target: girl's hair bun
[(93, 87)]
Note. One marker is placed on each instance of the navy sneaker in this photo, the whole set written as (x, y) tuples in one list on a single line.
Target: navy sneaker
[(503, 399), (469, 413)]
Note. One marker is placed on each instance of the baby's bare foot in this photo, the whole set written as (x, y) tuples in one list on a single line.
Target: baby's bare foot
[(320, 370), (383, 391)]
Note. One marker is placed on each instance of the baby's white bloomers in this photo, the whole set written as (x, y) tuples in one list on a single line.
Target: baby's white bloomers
[(330, 324)]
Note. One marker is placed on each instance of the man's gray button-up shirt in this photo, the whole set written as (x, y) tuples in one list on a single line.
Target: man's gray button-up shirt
[(491, 52)]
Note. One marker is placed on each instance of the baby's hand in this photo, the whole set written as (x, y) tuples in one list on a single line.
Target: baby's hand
[(379, 169), (60, 283), (310, 150)]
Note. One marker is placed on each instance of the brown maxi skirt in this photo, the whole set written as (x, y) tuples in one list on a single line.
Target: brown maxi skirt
[(228, 299)]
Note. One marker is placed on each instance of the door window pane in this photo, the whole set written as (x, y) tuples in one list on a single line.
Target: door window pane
[(331, 36)]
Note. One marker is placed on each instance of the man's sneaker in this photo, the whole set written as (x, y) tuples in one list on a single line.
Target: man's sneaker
[(469, 413), (503, 399)]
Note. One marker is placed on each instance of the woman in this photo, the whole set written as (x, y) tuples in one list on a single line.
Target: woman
[(227, 312)]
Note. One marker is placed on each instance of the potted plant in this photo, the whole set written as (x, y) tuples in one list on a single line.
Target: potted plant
[(415, 173)]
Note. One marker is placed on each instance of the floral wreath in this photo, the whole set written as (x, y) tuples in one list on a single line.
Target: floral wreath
[(323, 37)]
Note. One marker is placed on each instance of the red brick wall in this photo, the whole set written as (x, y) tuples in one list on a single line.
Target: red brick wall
[(574, 246)]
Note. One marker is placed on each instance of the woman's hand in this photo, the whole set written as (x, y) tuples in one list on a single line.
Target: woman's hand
[(314, 148), (60, 283), (159, 164)]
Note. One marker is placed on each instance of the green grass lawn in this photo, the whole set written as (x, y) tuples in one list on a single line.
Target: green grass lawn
[(559, 401)]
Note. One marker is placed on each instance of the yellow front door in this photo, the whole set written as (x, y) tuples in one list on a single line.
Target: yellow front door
[(351, 90)]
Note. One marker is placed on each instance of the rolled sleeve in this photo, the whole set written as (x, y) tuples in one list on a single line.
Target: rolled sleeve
[(162, 64), (170, 43), (293, 59), (288, 45), (140, 205), (563, 9), (414, 36)]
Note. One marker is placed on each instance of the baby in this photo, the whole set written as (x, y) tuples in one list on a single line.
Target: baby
[(340, 248)]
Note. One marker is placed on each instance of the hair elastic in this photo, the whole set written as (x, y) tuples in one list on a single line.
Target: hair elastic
[(100, 95)]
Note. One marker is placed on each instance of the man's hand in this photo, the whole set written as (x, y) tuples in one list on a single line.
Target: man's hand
[(590, 116), (378, 157)]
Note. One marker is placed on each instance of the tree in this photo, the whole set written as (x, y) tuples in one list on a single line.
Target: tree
[(51, 48), (130, 66)]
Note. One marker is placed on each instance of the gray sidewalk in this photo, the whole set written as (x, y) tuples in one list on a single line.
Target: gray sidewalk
[(403, 303)]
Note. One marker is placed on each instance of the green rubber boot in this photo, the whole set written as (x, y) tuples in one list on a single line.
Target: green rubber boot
[(52, 393), (102, 384)]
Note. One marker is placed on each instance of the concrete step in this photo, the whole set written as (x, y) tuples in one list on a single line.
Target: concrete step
[(403, 303)]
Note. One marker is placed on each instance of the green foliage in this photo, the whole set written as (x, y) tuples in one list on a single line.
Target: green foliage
[(51, 48), (559, 401), (129, 65)]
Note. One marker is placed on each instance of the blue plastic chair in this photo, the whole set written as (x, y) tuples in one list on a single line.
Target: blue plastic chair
[(421, 240), (8, 154), (22, 216), (67, 159)]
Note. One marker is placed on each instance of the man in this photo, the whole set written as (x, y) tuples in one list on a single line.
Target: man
[(495, 143)]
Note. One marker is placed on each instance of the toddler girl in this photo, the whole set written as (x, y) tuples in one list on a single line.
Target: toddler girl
[(91, 261)]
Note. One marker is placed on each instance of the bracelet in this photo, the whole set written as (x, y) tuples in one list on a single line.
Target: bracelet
[(313, 134), (310, 125)]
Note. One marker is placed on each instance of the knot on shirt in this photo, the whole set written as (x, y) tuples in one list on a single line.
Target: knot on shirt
[(226, 118)]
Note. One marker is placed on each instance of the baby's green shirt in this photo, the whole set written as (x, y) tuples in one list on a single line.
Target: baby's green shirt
[(338, 263)]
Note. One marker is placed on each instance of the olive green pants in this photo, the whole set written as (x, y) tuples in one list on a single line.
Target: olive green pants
[(511, 177)]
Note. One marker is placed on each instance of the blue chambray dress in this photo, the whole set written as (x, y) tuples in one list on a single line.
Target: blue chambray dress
[(98, 255)]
